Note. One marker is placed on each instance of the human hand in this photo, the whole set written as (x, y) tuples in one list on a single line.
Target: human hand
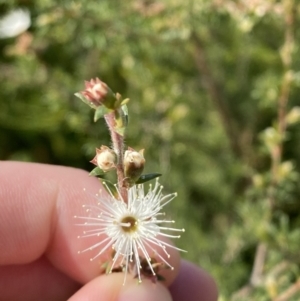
[(38, 243)]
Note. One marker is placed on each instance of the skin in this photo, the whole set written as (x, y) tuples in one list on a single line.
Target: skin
[(39, 246)]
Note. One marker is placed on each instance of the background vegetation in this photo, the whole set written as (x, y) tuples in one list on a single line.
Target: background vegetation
[(214, 87)]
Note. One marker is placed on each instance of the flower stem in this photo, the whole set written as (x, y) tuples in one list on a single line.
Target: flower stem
[(118, 146)]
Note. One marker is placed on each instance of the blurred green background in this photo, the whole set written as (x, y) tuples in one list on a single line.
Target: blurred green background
[(214, 88)]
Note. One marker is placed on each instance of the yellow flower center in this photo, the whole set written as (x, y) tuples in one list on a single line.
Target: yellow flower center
[(131, 224)]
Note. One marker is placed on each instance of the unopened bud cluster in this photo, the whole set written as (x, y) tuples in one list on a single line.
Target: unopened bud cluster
[(133, 163)]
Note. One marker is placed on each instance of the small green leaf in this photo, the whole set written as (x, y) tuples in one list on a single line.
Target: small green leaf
[(125, 101), (147, 177), (86, 101), (97, 172), (120, 131), (118, 101), (118, 119), (125, 113), (110, 188), (100, 112), (121, 118)]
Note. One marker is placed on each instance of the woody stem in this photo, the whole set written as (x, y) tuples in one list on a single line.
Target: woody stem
[(118, 146)]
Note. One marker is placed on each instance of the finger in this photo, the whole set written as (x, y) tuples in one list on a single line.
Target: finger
[(35, 281), (111, 288), (37, 207), (193, 284)]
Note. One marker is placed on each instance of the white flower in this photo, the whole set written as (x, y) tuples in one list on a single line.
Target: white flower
[(14, 23), (133, 230)]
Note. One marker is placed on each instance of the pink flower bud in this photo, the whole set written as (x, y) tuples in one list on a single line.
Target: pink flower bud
[(105, 158), (95, 91)]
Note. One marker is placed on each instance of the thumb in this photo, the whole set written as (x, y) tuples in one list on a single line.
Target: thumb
[(111, 288)]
